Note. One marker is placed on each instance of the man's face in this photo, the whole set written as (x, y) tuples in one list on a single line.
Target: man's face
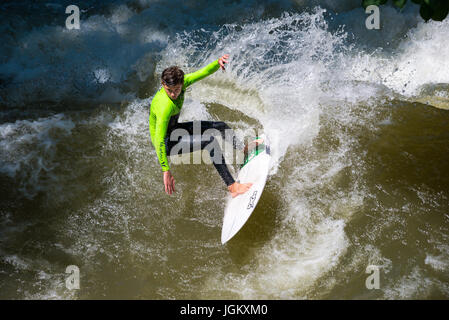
[(173, 91)]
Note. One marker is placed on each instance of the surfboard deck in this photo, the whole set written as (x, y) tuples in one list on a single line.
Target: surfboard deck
[(255, 170)]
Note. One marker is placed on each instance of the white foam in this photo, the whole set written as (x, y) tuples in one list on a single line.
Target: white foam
[(16, 261), (287, 266), (439, 262), (29, 149), (410, 286)]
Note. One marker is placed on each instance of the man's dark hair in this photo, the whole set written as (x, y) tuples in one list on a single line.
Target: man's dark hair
[(172, 76)]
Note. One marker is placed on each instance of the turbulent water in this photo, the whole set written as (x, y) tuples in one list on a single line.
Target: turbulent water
[(358, 120)]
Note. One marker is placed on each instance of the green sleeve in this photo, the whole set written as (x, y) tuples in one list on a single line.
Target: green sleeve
[(161, 130), (158, 130), (200, 74)]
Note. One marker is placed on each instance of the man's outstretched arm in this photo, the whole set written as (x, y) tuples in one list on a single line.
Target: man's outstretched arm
[(206, 71)]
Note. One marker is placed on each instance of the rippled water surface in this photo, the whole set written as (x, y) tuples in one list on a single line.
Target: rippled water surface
[(358, 121)]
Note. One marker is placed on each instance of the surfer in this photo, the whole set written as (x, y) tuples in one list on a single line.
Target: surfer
[(164, 113)]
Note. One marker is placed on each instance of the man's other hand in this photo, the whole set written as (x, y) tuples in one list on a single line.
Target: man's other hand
[(223, 60), (169, 182)]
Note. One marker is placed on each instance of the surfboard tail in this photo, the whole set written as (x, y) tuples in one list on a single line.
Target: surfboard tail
[(253, 149), (239, 209)]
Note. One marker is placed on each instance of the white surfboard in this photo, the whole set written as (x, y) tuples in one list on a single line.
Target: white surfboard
[(239, 209)]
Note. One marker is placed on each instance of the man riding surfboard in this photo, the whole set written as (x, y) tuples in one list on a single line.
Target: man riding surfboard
[(164, 113)]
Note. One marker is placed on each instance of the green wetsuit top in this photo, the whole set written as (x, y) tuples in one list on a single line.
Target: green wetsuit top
[(163, 108)]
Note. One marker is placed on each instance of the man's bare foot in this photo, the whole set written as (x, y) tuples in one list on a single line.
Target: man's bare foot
[(239, 188)]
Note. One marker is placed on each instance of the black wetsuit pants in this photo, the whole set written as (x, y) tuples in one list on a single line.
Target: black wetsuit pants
[(193, 138)]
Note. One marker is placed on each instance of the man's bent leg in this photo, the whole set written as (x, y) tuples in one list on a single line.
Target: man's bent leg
[(219, 162), (192, 143)]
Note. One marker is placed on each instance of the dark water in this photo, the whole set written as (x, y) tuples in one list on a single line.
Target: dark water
[(358, 120)]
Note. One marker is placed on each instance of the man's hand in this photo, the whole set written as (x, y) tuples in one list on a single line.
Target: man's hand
[(223, 60), (169, 182)]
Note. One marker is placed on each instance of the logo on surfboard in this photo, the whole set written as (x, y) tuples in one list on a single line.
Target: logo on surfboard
[(251, 200)]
